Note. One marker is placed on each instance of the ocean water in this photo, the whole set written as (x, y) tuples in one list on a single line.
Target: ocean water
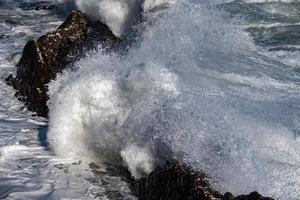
[(215, 84)]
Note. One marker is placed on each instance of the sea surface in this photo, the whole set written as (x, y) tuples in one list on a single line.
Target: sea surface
[(215, 84)]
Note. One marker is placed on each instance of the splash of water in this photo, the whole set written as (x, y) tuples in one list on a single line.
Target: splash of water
[(119, 15), (106, 121), (195, 89)]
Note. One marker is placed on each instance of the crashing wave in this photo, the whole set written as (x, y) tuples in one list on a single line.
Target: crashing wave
[(194, 89)]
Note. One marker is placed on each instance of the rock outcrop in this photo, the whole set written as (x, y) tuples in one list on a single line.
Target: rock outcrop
[(177, 181), (42, 59)]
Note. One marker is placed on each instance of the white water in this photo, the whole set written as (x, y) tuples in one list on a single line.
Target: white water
[(195, 89)]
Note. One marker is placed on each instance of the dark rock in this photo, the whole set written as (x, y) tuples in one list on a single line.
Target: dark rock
[(251, 196), (10, 80), (42, 59), (177, 181), (174, 182), (228, 196)]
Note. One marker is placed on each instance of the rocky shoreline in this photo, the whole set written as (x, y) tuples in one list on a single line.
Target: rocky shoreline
[(44, 58)]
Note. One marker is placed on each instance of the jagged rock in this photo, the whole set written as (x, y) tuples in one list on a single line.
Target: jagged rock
[(177, 181), (251, 196), (42, 59)]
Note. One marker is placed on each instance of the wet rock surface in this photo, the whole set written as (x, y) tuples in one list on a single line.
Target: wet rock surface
[(43, 58), (178, 181)]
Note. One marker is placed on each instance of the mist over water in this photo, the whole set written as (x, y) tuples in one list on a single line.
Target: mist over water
[(194, 88)]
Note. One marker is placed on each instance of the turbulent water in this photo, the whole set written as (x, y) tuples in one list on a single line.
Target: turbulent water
[(215, 84)]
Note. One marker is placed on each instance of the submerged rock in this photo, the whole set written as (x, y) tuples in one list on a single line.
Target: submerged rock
[(177, 181), (42, 59)]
